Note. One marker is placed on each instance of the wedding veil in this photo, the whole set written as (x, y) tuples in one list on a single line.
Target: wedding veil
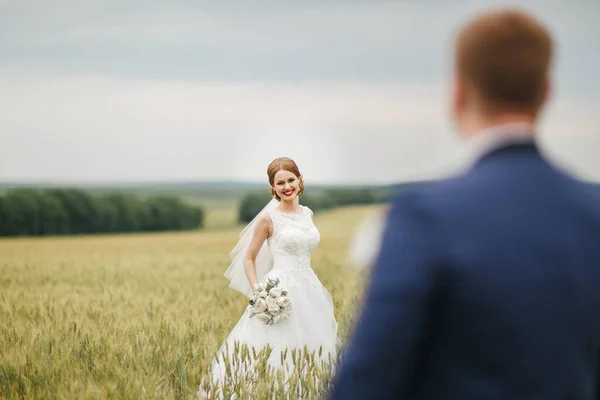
[(236, 272)]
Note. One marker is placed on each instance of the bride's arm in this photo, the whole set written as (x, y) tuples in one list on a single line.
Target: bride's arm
[(262, 230)]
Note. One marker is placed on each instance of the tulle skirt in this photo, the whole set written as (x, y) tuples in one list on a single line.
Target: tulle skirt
[(311, 328)]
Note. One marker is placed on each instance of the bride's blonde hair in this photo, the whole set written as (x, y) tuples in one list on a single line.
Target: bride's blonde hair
[(283, 164)]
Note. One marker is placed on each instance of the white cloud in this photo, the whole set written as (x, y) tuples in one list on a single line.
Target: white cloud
[(135, 22), (142, 129), (110, 90)]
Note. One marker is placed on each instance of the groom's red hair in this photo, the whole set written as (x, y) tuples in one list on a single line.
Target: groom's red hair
[(503, 58)]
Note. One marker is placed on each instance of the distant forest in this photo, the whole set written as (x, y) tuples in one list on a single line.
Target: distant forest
[(42, 212), (26, 211)]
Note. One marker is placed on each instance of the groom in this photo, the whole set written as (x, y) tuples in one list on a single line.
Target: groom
[(487, 285)]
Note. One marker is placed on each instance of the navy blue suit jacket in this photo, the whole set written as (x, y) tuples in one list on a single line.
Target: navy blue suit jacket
[(487, 286)]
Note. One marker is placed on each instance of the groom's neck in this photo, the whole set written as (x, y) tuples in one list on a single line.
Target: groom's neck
[(478, 125)]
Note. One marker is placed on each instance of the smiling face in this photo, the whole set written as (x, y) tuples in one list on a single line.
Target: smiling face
[(286, 185), (285, 179)]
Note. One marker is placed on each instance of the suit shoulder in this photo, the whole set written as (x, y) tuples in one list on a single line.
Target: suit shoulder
[(416, 217), (427, 192), (419, 198)]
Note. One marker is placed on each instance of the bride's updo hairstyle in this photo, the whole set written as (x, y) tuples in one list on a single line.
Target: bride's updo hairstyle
[(284, 164)]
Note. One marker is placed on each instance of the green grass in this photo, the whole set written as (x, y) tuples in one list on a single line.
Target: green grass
[(210, 203), (221, 219), (220, 214), (134, 316)]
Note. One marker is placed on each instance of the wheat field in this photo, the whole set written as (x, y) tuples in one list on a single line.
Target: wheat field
[(135, 316)]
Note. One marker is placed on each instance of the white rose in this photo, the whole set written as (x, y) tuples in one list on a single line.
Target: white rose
[(262, 295), (259, 287), (274, 310), (283, 302), (272, 306), (271, 302), (260, 306), (275, 292)]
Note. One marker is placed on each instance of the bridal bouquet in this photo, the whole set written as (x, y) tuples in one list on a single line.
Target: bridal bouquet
[(270, 302)]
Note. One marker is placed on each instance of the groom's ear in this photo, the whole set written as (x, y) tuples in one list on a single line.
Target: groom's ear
[(546, 93)]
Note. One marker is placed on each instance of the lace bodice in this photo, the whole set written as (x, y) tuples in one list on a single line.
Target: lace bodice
[(294, 239)]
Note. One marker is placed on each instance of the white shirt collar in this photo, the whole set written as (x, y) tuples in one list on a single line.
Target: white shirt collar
[(494, 138)]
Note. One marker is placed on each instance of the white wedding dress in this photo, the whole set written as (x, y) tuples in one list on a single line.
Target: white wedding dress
[(311, 322)]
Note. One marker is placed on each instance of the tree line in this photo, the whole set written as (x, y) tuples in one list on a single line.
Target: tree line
[(41, 212), (252, 203)]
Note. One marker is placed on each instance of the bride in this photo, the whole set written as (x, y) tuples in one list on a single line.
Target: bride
[(277, 244)]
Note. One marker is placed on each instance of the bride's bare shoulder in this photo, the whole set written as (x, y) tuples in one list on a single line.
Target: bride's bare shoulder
[(264, 223)]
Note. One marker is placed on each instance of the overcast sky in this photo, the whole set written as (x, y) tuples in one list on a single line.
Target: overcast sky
[(355, 91)]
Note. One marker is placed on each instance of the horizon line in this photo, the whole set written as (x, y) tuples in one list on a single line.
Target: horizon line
[(149, 182)]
